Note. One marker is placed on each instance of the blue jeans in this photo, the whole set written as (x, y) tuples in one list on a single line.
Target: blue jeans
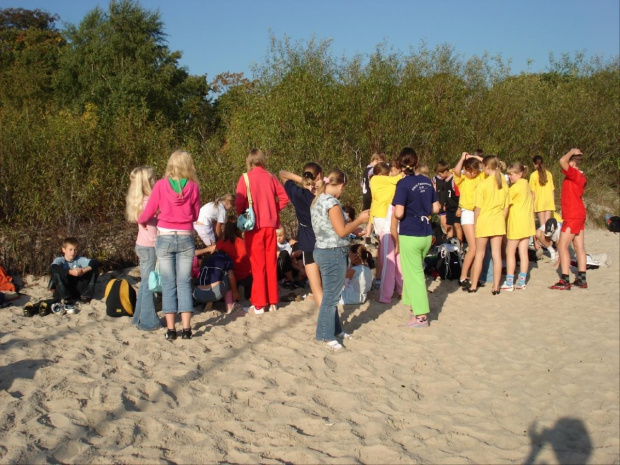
[(175, 254), (215, 293), (144, 315), (333, 266)]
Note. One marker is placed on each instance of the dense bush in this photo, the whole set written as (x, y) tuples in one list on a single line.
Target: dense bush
[(65, 155)]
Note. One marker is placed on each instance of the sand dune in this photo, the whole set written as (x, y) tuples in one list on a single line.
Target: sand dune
[(525, 377)]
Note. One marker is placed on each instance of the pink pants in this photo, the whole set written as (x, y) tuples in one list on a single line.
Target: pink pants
[(391, 274)]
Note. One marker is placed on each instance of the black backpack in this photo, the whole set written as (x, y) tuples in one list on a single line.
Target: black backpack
[(120, 298)]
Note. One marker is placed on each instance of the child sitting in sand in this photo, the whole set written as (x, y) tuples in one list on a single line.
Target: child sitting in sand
[(358, 280), (217, 281), (289, 262), (73, 277)]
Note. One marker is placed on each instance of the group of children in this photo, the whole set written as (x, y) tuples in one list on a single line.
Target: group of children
[(475, 202)]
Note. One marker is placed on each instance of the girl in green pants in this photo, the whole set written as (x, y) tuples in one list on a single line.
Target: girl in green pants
[(414, 201)]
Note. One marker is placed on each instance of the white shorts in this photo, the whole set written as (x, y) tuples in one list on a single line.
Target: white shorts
[(467, 217)]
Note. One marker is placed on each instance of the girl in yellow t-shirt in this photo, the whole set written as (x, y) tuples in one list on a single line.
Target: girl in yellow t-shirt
[(382, 189), (541, 184), (520, 227), (491, 207), (466, 182)]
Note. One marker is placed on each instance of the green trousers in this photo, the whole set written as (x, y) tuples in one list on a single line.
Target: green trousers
[(412, 252)]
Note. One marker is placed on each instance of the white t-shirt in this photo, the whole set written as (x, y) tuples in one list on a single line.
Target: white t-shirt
[(210, 214), (356, 289), (286, 246)]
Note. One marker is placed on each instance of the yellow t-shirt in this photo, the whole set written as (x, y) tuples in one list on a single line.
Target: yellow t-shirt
[(543, 195), (491, 201), (382, 189), (467, 189), (521, 213)]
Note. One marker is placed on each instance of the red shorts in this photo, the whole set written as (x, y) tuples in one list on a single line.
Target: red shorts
[(576, 225)]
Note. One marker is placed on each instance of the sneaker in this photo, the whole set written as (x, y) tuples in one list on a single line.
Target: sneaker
[(186, 333), (553, 254), (43, 308), (58, 309), (253, 310), (344, 335), (519, 286), (580, 284), (29, 310), (561, 285), (550, 226), (507, 287), (288, 285), (376, 284), (273, 308), (70, 309), (171, 334)]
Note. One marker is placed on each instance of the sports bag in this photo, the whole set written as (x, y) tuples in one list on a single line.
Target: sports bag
[(613, 223), (120, 298), (450, 261), (155, 280), (247, 220)]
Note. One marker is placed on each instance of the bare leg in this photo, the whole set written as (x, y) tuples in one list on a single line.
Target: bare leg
[(458, 229), (314, 279), (566, 238), (170, 321), (496, 253), (468, 229), (186, 318), (524, 257), (511, 261), (580, 250), (481, 246)]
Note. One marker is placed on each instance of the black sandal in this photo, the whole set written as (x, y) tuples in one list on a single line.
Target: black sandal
[(171, 334), (471, 291), (186, 334)]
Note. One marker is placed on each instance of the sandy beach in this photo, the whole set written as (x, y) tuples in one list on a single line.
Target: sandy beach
[(524, 377)]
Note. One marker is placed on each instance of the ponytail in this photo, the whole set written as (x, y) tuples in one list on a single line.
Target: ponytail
[(491, 162), (540, 167), (335, 177)]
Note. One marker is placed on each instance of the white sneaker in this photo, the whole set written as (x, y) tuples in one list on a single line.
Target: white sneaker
[(553, 254), (58, 309), (253, 310), (273, 308)]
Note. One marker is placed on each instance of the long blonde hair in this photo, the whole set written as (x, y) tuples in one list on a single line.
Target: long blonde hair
[(180, 165), (223, 198), (141, 182), (256, 157), (492, 162), (334, 178)]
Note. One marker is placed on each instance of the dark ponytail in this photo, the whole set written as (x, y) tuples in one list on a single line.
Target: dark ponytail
[(540, 167)]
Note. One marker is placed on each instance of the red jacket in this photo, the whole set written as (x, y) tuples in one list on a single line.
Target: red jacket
[(268, 197)]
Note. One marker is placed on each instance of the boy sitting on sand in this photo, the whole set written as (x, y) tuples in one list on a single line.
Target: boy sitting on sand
[(73, 277)]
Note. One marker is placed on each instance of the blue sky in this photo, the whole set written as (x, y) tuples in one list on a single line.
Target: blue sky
[(231, 35)]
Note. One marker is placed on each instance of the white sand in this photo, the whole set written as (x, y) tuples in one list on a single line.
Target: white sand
[(525, 376)]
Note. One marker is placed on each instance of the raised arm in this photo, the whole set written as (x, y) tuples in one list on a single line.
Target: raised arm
[(288, 176), (459, 165), (567, 156)]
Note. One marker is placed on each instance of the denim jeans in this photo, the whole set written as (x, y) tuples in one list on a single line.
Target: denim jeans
[(333, 266), (144, 315), (175, 254), (215, 293)]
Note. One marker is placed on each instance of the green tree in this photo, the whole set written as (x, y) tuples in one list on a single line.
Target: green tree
[(119, 59), (29, 49)]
